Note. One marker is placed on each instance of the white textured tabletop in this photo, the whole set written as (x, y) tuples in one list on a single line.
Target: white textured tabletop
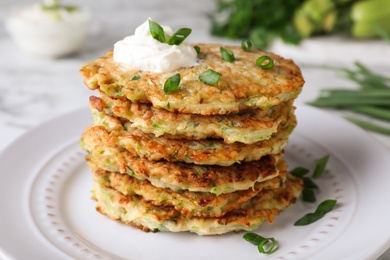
[(34, 90)]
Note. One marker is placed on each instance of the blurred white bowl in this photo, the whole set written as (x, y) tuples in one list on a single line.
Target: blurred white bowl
[(49, 34)]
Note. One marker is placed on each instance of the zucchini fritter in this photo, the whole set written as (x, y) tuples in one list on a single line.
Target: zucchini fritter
[(207, 151), (184, 176), (135, 211), (246, 127), (243, 84), (197, 204)]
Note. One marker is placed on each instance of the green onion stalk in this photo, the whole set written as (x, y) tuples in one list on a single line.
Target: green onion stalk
[(371, 98)]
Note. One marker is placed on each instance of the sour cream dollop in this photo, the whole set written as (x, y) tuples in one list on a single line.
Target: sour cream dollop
[(141, 51), (49, 33)]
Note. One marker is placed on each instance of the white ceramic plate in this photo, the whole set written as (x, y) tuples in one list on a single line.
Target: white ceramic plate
[(47, 213)]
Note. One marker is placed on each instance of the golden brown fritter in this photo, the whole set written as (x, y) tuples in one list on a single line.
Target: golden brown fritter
[(246, 127), (208, 151), (135, 211), (181, 176), (198, 204), (243, 84)]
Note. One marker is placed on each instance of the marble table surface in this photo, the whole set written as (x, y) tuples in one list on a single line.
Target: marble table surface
[(34, 90)]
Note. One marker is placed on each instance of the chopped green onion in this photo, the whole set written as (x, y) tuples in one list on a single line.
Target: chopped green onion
[(227, 55), (324, 207), (210, 77), (135, 77), (197, 49), (308, 183), (308, 195), (157, 31), (178, 37), (265, 62), (253, 238), (265, 245), (299, 171), (172, 84), (320, 166), (308, 219), (246, 45)]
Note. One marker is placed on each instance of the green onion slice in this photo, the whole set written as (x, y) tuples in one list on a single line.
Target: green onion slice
[(265, 245), (227, 55), (172, 84), (197, 49), (309, 183), (325, 207), (308, 195), (210, 77), (299, 171), (265, 62), (135, 77), (157, 31), (246, 45), (320, 166), (178, 37)]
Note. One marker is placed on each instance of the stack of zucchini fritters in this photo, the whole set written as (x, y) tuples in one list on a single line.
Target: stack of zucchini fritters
[(205, 158)]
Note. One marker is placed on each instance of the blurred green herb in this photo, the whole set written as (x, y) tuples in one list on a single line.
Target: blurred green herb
[(261, 21)]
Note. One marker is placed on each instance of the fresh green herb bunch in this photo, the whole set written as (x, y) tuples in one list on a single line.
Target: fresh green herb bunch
[(371, 98), (262, 21), (259, 20)]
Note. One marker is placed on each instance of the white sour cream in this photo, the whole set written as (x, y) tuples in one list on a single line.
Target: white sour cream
[(48, 33), (141, 51)]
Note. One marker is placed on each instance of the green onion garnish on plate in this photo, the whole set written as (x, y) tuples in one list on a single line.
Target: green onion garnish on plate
[(320, 166), (325, 207), (265, 245)]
